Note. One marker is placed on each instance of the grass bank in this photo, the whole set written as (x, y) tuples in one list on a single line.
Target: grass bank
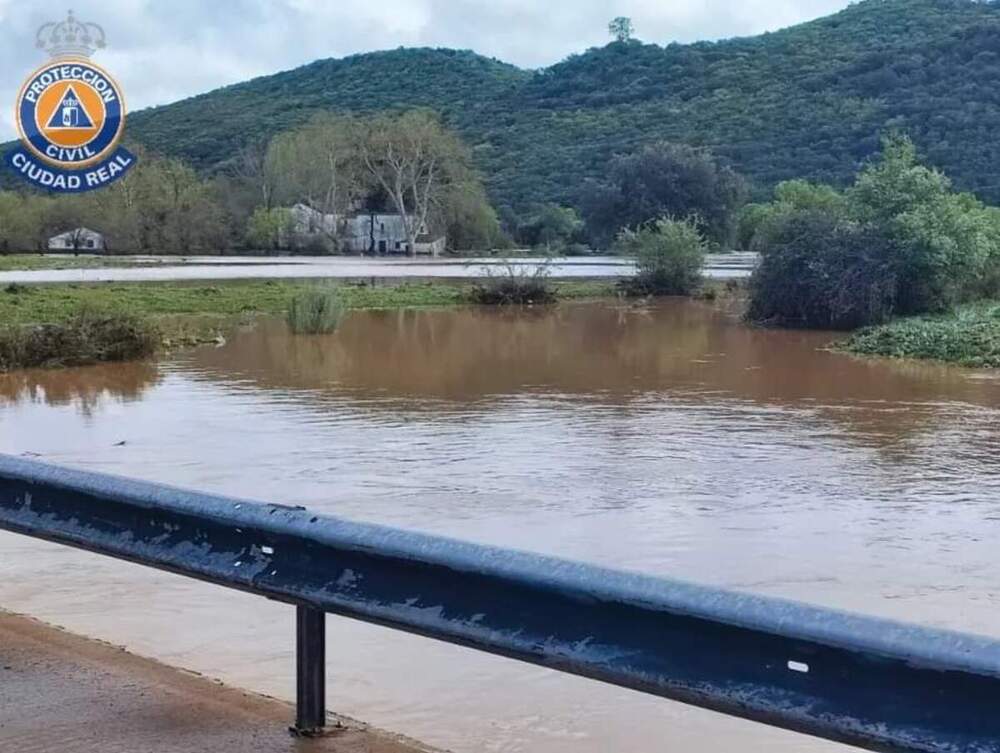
[(87, 337), (969, 336), (33, 262), (33, 304), (42, 325)]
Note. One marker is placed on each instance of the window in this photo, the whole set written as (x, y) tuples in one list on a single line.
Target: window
[(90, 244)]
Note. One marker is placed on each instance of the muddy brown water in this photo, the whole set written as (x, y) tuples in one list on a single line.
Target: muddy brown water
[(667, 438)]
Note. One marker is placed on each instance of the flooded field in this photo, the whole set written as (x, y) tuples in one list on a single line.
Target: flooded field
[(667, 438), (164, 268)]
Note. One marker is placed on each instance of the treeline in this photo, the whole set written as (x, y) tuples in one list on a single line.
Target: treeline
[(161, 206), (405, 164)]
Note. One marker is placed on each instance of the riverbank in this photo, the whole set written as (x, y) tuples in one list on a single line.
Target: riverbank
[(968, 336), (36, 304), (51, 325), (61, 692)]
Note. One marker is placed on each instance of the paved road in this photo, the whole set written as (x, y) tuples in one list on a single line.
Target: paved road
[(63, 694), (150, 268)]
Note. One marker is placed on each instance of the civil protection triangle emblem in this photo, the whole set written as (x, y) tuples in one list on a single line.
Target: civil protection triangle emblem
[(70, 115)]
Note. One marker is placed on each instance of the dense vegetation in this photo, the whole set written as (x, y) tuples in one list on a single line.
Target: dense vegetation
[(969, 336), (900, 241), (809, 101)]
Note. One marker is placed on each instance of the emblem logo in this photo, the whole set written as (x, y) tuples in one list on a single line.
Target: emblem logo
[(70, 115)]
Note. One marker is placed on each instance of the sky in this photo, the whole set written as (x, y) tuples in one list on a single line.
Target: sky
[(165, 50)]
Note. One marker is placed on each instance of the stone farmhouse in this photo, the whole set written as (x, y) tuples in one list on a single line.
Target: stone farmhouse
[(363, 233)]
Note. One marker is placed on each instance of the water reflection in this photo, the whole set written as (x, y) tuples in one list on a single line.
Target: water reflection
[(87, 387), (617, 354)]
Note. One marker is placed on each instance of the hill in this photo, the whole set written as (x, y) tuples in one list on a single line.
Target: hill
[(808, 101)]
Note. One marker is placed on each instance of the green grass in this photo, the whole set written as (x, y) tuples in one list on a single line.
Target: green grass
[(33, 304), (970, 336), (29, 304), (32, 262)]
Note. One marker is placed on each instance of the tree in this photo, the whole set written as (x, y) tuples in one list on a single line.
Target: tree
[(254, 166), (268, 228), (945, 238), (15, 223), (664, 179), (755, 220), (470, 220), (416, 162), (317, 165), (551, 226), (621, 29)]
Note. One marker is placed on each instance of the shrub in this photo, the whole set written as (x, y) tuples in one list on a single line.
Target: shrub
[(514, 286), (315, 312), (817, 270), (90, 336), (970, 337), (669, 256)]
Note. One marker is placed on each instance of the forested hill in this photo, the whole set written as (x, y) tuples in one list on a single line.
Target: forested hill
[(808, 101)]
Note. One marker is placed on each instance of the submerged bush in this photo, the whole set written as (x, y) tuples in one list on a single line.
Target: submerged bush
[(315, 312), (88, 337), (818, 271), (669, 256), (514, 286)]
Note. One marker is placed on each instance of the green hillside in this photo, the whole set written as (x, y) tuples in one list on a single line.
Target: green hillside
[(806, 101)]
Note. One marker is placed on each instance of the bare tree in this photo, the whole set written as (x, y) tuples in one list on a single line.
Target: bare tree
[(413, 159), (316, 165), (253, 166)]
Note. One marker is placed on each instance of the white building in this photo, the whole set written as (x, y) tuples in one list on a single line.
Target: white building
[(80, 239), (363, 233)]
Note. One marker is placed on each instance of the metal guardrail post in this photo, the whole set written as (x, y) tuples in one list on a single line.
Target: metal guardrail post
[(310, 655)]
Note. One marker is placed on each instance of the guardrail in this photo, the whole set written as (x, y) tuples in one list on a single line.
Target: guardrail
[(871, 683)]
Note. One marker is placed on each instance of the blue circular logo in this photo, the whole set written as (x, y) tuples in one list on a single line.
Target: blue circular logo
[(70, 113)]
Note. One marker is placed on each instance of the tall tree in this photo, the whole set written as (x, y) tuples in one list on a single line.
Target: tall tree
[(255, 168), (416, 162), (664, 179), (317, 164)]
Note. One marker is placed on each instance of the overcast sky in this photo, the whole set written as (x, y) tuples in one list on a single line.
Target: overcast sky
[(165, 50)]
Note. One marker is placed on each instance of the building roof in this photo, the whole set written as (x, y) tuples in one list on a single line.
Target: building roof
[(83, 232)]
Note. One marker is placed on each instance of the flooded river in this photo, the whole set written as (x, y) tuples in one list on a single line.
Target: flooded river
[(666, 438), (170, 268)]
